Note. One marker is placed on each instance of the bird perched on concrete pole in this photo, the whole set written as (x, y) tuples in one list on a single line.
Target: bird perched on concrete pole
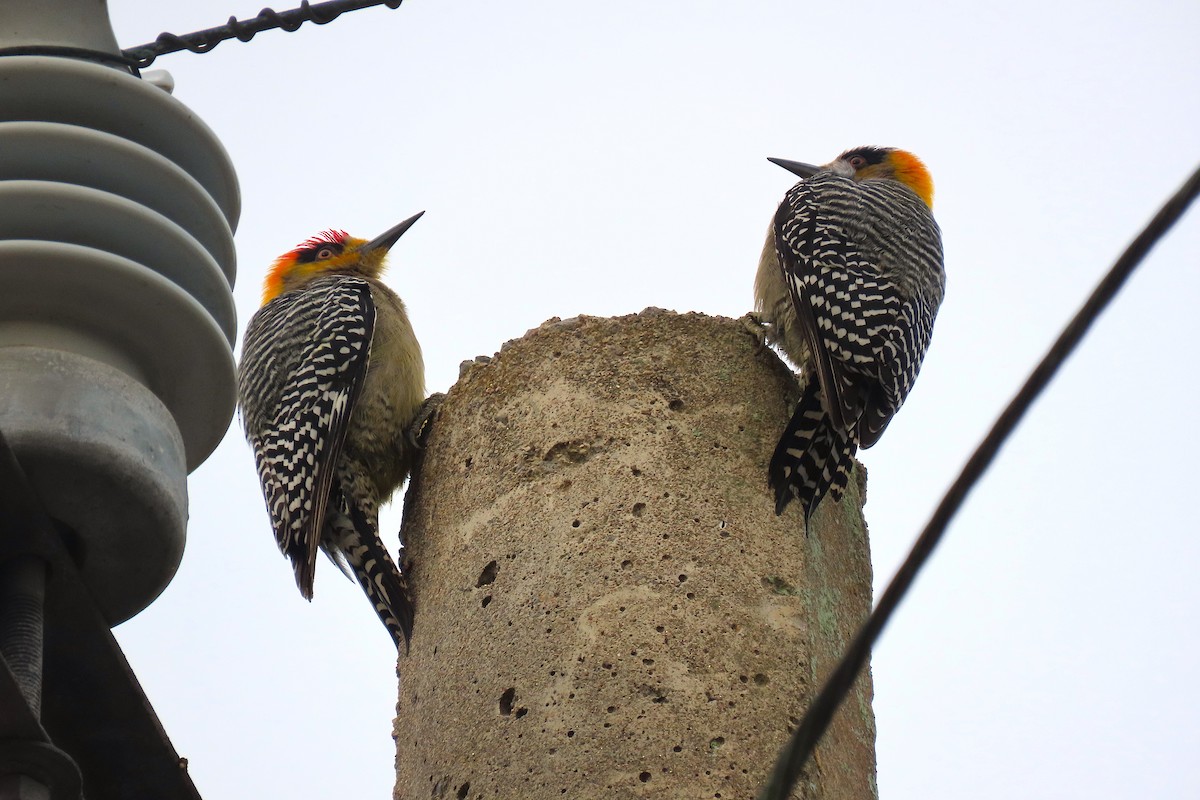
[(330, 384), (848, 286)]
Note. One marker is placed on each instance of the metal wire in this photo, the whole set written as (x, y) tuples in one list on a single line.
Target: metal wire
[(244, 30), (794, 755)]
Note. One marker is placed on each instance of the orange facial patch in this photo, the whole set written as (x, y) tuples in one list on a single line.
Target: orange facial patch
[(911, 171), (273, 283)]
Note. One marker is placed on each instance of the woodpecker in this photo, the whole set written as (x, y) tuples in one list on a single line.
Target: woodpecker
[(330, 381), (848, 286)]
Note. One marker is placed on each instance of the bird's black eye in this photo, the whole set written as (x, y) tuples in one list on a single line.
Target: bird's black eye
[(319, 251), (857, 162)]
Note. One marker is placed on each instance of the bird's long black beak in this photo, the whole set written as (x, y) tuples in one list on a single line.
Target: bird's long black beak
[(796, 167), (385, 240)]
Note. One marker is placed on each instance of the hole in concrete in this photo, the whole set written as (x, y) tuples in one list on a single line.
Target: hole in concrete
[(486, 599), (682, 578), (761, 679), (647, 661), (677, 749), (691, 595), (464, 790), (506, 700), (468, 462), (779, 585), (520, 712), (575, 524), (743, 678), (636, 472), (488, 575), (716, 742), (626, 564), (644, 777), (659, 628), (638, 508), (570, 734), (611, 709)]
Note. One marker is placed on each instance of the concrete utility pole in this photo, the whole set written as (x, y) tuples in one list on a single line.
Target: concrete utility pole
[(607, 605)]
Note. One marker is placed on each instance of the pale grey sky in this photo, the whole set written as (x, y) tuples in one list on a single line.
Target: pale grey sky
[(599, 158)]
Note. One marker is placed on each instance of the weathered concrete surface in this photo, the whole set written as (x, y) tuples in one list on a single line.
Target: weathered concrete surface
[(607, 606)]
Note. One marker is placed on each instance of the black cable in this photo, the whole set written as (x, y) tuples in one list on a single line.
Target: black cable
[(794, 755), (244, 30)]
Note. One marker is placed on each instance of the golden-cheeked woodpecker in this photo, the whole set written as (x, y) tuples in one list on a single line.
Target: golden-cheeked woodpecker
[(848, 285), (330, 382)]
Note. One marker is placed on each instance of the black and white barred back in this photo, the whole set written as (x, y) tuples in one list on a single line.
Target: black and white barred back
[(863, 264), (306, 357)]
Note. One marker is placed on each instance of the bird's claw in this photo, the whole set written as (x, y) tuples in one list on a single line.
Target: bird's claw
[(754, 325), (418, 431)]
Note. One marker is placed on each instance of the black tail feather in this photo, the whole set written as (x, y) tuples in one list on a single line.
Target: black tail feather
[(812, 457), (377, 574)]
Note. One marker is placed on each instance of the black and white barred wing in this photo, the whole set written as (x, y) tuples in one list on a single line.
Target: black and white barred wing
[(902, 337), (839, 297), (902, 350), (297, 446)]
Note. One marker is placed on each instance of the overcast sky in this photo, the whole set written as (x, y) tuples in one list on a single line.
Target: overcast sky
[(599, 158)]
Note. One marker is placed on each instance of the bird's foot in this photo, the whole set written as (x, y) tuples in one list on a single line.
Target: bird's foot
[(418, 431), (756, 326)]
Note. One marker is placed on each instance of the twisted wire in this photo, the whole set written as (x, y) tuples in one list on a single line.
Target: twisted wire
[(244, 30)]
